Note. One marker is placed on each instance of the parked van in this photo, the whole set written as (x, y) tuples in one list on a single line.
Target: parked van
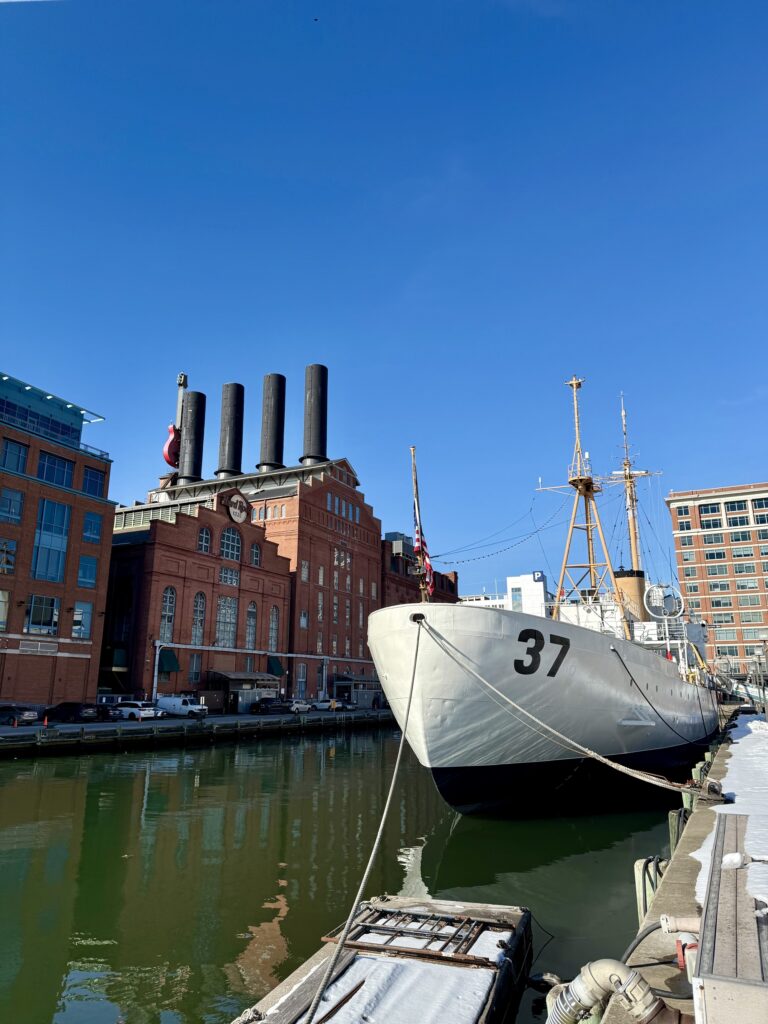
[(184, 707)]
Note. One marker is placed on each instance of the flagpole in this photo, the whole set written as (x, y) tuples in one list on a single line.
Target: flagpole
[(417, 516)]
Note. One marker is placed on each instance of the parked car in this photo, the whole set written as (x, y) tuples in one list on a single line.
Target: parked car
[(300, 707), (136, 710), (322, 705), (13, 714), (72, 711), (108, 712), (269, 706), (183, 707), (345, 705)]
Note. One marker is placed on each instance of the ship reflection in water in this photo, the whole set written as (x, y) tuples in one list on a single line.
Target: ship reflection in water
[(176, 888)]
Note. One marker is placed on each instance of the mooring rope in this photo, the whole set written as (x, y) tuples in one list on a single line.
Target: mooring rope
[(375, 849), (562, 740)]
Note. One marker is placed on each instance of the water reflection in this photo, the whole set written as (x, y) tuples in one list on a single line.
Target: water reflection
[(177, 888)]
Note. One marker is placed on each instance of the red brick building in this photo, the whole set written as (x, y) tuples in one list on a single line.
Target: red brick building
[(399, 584), (721, 543), (55, 537), (186, 573)]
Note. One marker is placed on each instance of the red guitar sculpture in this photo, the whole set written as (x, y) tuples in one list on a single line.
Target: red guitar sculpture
[(172, 446)]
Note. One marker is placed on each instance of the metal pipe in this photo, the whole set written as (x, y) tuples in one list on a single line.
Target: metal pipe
[(192, 437), (272, 423), (315, 415), (231, 436)]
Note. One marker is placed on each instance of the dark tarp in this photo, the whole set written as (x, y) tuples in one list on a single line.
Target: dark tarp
[(168, 661), (274, 667)]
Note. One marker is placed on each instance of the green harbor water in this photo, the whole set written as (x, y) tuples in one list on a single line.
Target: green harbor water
[(178, 887)]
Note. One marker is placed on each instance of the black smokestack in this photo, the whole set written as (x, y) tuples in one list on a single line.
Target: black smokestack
[(231, 437), (315, 415), (192, 434), (272, 423)]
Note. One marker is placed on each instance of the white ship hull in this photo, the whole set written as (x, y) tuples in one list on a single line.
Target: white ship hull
[(571, 678)]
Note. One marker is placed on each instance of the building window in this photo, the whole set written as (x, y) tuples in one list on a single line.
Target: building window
[(360, 654), (712, 570), (167, 615), (87, 571), (226, 621), (335, 579), (55, 470), (14, 457), (762, 534), (255, 555), (727, 651), (694, 604), (343, 509), (329, 502), (321, 575), (301, 679), (686, 542), (93, 482), (303, 619), (230, 577), (304, 571), (251, 619), (738, 520), (276, 512), (320, 607), (198, 618), (710, 510), (349, 584), (690, 588), (282, 512), (718, 555), (751, 617), (82, 620), (42, 615), (722, 602), (744, 568), (725, 634), (761, 518), (684, 524), (719, 587), (51, 535), (746, 584), (374, 590), (274, 628), (361, 586), (231, 545), (712, 524), (7, 557), (714, 538), (682, 510), (755, 634), (749, 601), (195, 666), (319, 647), (335, 609), (760, 503), (689, 572), (5, 603), (204, 541), (334, 644), (723, 618), (689, 556), (336, 504), (360, 614), (348, 613), (735, 506), (347, 647), (92, 524), (11, 505), (741, 535)]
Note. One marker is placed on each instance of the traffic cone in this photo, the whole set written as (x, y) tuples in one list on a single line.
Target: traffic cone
[(45, 721)]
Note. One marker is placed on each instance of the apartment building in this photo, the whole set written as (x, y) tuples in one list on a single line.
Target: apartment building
[(721, 544)]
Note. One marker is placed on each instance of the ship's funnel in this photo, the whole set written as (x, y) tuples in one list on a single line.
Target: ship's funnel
[(272, 423), (631, 585), (192, 435), (315, 415), (231, 436)]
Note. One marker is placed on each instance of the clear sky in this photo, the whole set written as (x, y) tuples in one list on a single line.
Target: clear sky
[(454, 204)]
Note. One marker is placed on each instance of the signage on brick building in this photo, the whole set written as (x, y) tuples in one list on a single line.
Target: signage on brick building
[(237, 506)]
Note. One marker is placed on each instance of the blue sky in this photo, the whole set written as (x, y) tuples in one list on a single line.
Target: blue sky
[(454, 204)]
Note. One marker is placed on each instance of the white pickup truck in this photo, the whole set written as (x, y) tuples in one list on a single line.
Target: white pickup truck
[(184, 707)]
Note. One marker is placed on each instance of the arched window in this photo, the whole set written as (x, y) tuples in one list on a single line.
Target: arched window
[(255, 554), (231, 544), (167, 615), (198, 618), (204, 540), (250, 626), (226, 622), (274, 628), (282, 511)]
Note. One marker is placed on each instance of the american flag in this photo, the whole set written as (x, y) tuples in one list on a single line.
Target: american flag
[(420, 548)]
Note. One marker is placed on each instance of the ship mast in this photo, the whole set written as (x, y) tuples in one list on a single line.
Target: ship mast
[(574, 574), (630, 492)]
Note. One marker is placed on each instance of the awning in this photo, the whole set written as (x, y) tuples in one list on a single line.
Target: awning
[(168, 661), (274, 666)]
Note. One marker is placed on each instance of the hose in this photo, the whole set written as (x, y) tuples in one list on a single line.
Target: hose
[(656, 926)]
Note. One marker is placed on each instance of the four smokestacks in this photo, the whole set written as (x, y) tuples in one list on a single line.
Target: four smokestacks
[(272, 426)]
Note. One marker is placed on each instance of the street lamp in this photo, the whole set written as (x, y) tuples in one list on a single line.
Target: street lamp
[(159, 646)]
